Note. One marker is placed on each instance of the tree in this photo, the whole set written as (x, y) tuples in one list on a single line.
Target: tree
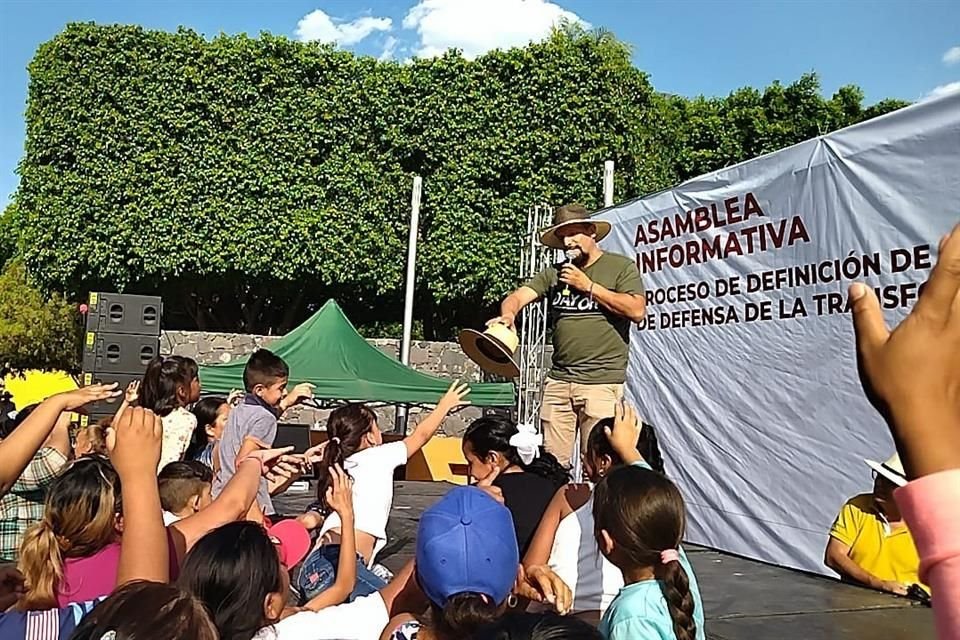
[(35, 333), (9, 233), (248, 180)]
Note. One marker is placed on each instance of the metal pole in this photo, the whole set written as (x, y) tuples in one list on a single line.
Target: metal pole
[(608, 183), (411, 281)]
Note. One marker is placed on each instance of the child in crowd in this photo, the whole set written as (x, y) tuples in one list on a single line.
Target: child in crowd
[(134, 449), (92, 439), (356, 443), (538, 626), (265, 380), (170, 384), (148, 610), (528, 474), (184, 489), (639, 520), (564, 539), (63, 556), (211, 414), (247, 592), (467, 564), (72, 554), (240, 572), (22, 507)]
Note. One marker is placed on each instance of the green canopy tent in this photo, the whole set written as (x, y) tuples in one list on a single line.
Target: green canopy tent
[(327, 351)]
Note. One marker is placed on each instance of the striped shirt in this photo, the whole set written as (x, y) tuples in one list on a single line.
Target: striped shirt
[(52, 624)]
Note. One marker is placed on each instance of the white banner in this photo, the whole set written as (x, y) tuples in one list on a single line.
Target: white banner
[(746, 361)]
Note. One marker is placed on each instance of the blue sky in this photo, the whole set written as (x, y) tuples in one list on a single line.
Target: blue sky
[(891, 48)]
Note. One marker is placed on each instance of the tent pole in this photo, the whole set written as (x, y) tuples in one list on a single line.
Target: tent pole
[(401, 424)]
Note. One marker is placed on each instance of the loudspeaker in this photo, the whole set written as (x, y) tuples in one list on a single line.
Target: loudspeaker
[(103, 408), (118, 352), (123, 313)]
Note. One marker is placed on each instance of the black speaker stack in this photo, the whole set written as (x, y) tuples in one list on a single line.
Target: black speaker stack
[(122, 336)]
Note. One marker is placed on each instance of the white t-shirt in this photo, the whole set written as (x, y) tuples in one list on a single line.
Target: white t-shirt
[(363, 619), (372, 472), (178, 426), (595, 582), (169, 518)]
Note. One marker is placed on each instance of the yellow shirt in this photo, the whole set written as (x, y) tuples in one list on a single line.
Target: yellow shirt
[(887, 553)]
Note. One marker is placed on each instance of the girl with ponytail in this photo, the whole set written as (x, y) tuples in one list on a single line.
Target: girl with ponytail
[(354, 441), (170, 384), (638, 524), (59, 556), (526, 474)]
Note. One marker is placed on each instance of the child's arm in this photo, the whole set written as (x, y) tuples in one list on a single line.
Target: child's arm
[(129, 398), (453, 398), (301, 392), (311, 520), (542, 543), (234, 501), (134, 446), (340, 499), (18, 449)]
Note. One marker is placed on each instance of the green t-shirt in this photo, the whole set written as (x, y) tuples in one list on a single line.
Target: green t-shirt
[(590, 343)]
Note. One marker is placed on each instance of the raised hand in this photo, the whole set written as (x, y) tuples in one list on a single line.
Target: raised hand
[(301, 392), (625, 433), (284, 472), (454, 397), (314, 455), (77, 398), (133, 441), (132, 393), (258, 450), (912, 375), (340, 492)]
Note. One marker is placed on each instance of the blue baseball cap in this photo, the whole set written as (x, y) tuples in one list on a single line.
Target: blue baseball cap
[(466, 543)]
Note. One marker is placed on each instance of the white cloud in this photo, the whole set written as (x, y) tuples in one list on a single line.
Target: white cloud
[(943, 90), (388, 48), (317, 25), (952, 56), (477, 26)]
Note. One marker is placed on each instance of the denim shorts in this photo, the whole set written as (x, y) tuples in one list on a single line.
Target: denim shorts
[(319, 572)]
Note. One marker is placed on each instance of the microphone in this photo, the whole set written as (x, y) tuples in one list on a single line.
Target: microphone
[(571, 254)]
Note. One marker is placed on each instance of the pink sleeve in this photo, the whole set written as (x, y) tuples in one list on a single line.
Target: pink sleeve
[(930, 507)]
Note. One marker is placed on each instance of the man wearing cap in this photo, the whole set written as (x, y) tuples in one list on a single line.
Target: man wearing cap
[(869, 542), (593, 298)]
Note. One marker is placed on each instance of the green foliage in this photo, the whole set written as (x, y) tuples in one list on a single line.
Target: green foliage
[(9, 232), (35, 333), (247, 180)]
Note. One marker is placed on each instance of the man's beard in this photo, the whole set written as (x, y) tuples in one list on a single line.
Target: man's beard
[(576, 256)]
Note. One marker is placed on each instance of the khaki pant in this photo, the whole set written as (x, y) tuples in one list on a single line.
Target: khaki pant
[(567, 405)]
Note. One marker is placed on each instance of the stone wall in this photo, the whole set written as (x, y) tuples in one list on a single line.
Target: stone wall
[(443, 359)]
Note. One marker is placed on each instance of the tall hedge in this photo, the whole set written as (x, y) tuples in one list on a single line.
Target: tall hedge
[(247, 180)]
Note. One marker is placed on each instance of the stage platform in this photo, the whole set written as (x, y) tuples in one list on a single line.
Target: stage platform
[(743, 599)]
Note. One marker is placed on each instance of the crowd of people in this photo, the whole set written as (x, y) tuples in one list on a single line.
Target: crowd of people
[(159, 521)]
